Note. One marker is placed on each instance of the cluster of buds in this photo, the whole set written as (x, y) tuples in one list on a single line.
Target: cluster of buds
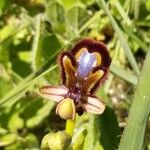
[(83, 70), (56, 141)]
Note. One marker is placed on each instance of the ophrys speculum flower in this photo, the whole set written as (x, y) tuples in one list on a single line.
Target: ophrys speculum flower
[(83, 70)]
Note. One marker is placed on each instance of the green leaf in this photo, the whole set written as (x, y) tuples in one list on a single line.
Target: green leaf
[(35, 111), (120, 35), (8, 139), (107, 124), (21, 67), (123, 74), (5, 86), (139, 112), (4, 4), (90, 138), (68, 4), (15, 122), (110, 134), (36, 40), (29, 141), (137, 38), (71, 3), (6, 31), (47, 47), (10, 119), (29, 112), (72, 21), (79, 141), (4, 55), (55, 13), (147, 3)]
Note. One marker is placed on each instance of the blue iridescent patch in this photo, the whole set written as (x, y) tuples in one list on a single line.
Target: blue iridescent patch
[(86, 63)]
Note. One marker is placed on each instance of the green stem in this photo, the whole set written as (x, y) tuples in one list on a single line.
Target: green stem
[(70, 124), (36, 41)]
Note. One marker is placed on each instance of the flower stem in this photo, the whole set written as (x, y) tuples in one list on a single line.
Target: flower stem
[(70, 126)]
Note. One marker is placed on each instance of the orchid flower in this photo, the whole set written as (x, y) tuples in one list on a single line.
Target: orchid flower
[(83, 70)]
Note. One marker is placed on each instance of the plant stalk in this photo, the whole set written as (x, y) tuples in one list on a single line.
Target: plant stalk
[(70, 124)]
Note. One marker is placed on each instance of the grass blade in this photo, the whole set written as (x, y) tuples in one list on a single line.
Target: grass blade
[(108, 124), (124, 74), (120, 37), (133, 136), (36, 40)]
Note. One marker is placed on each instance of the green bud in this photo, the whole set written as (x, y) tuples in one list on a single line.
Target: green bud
[(56, 141), (44, 145), (66, 109)]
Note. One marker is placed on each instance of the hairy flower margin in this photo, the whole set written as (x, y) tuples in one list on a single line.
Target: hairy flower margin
[(83, 70)]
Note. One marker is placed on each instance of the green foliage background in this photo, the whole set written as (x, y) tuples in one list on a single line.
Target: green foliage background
[(33, 32)]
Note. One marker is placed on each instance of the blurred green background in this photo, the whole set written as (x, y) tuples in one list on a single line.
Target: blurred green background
[(33, 32)]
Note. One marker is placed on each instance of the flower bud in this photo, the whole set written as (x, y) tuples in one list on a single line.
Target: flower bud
[(56, 141), (44, 145), (66, 109)]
